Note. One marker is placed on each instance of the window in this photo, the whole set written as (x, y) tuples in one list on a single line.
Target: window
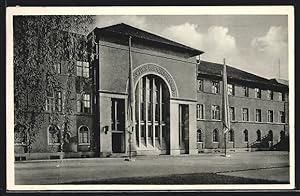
[(20, 134), (58, 101), (215, 135), (57, 68), (246, 91), (231, 113), (281, 117), (246, 135), (53, 135), (50, 101), (281, 96), (245, 113), (83, 103), (200, 111), (257, 93), (83, 135), (231, 135), (199, 135), (270, 115), (258, 115), (200, 85), (230, 88), (215, 110), (282, 136), (83, 69), (270, 136), (215, 87), (270, 94), (258, 135)]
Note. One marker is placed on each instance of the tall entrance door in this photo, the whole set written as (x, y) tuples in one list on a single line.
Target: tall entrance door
[(184, 129), (152, 114), (118, 125)]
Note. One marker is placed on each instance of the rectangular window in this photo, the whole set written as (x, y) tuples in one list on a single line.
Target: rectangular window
[(50, 101), (281, 117), (57, 68), (246, 91), (281, 96), (257, 93), (215, 87), (215, 110), (83, 103), (245, 113), (200, 85), (58, 101), (270, 94), (231, 113), (270, 115), (230, 88), (200, 111), (83, 69), (258, 115)]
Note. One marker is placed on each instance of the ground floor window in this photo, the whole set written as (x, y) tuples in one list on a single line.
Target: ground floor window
[(199, 135), (83, 135), (231, 136), (215, 135), (270, 135), (53, 135), (246, 135), (258, 135)]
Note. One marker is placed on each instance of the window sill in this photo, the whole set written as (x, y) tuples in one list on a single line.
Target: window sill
[(84, 144), (55, 144), (215, 142)]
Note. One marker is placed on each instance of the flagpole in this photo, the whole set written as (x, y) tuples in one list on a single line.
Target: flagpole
[(226, 117)]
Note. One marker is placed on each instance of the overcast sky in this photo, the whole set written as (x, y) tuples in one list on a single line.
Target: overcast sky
[(252, 43)]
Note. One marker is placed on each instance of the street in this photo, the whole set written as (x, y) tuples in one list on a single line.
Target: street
[(273, 166)]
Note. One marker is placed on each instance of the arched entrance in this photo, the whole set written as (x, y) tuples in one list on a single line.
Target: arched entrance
[(152, 113)]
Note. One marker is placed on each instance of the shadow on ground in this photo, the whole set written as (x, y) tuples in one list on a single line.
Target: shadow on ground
[(200, 178)]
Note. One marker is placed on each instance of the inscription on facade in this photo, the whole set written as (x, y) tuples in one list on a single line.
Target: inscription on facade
[(143, 69)]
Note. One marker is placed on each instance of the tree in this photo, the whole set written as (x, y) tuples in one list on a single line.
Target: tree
[(40, 43)]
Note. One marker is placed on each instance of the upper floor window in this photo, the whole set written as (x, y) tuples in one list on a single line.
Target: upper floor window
[(83, 135), (270, 115), (257, 93), (281, 96), (215, 110), (215, 87), (200, 85), (50, 101), (84, 103), (245, 114), (83, 69), (281, 117), (200, 111), (199, 135), (258, 115), (231, 113), (270, 94), (230, 88), (246, 91), (57, 68)]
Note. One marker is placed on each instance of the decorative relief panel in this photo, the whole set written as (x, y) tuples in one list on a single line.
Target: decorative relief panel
[(156, 69)]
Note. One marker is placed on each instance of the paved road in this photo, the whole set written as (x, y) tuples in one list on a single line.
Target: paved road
[(78, 170)]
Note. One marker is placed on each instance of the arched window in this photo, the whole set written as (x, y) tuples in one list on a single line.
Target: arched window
[(216, 135), (270, 135), (258, 134), (246, 139), (53, 135), (199, 135), (231, 135), (83, 135), (20, 134)]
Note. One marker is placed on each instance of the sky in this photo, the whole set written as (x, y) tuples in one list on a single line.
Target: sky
[(254, 43)]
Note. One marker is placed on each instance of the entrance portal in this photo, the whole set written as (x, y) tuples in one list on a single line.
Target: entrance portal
[(152, 114)]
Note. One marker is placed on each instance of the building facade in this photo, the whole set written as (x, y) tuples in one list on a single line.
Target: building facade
[(177, 103)]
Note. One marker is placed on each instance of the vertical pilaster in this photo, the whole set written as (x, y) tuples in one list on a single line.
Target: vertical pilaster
[(192, 129), (174, 129)]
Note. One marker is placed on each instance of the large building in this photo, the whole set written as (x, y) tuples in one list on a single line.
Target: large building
[(177, 103)]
